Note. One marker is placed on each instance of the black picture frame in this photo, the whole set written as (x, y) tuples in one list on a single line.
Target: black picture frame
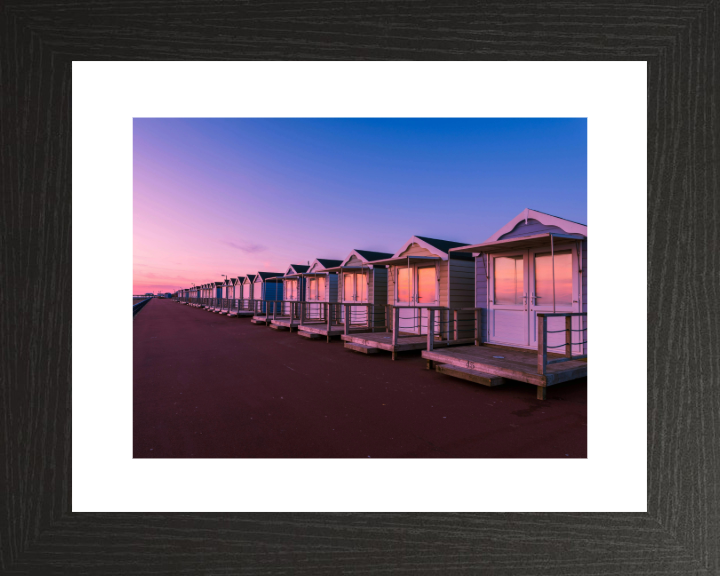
[(680, 533)]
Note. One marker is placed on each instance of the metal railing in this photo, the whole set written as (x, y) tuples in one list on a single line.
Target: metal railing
[(542, 338), (139, 305), (440, 323)]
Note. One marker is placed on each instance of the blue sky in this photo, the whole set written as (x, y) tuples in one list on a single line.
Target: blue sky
[(231, 196)]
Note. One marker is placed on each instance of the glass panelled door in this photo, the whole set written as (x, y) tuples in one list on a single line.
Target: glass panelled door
[(291, 294), (427, 295), (507, 301), (416, 286), (315, 292), (565, 294), (355, 289), (404, 290)]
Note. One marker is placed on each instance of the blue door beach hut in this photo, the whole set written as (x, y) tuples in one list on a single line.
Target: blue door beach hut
[(223, 303), (424, 280), (286, 315), (264, 292), (214, 296), (531, 305)]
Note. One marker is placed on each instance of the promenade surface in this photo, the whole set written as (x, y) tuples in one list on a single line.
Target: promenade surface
[(209, 386)]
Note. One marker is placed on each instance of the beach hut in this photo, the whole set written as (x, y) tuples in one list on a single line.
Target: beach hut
[(205, 296), (236, 302), (286, 314), (321, 289), (213, 293), (207, 292), (216, 295), (226, 293), (197, 295), (265, 291), (424, 280), (531, 305), (354, 281), (248, 291)]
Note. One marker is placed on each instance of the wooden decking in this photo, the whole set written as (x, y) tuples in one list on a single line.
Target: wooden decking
[(322, 329), (384, 341), (240, 313), (285, 323), (512, 363)]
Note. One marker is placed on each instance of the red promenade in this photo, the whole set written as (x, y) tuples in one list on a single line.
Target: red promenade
[(209, 386)]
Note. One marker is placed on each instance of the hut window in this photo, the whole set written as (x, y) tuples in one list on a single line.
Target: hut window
[(312, 289), (291, 286), (426, 285), (563, 278), (509, 280), (348, 287), (316, 289), (361, 287), (354, 286), (403, 285)]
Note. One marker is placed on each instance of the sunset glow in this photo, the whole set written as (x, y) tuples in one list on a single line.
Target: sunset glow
[(234, 196)]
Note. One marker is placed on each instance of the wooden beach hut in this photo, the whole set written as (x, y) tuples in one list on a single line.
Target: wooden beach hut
[(531, 305), (321, 289), (223, 302), (214, 294), (265, 290), (248, 291), (237, 308), (355, 281), (424, 280), (286, 314)]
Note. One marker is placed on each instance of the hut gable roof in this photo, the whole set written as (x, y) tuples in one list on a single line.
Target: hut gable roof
[(249, 279), (360, 257), (370, 255), (261, 276), (322, 264), (530, 222), (296, 269), (325, 263), (423, 246)]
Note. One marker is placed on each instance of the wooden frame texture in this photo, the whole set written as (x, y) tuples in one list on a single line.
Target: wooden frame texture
[(680, 534)]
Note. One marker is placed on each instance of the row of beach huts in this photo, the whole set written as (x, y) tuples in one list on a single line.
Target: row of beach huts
[(513, 307)]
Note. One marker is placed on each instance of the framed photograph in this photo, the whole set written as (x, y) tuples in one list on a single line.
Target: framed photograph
[(326, 255)]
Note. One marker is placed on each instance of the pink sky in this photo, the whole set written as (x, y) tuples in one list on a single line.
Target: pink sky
[(238, 196)]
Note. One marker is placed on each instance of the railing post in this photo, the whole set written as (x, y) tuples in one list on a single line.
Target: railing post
[(387, 318), (568, 336), (542, 343), (396, 325), (478, 318), (347, 318), (456, 334), (327, 317), (431, 329)]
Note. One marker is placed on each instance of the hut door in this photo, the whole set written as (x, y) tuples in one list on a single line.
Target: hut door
[(541, 294), (507, 301), (416, 286), (427, 295), (355, 289)]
